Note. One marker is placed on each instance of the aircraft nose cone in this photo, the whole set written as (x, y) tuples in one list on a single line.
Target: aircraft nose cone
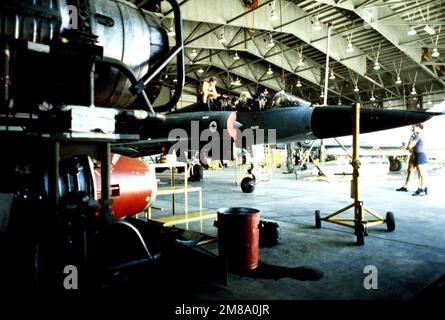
[(334, 121)]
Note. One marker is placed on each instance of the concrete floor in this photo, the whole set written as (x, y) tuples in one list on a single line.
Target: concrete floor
[(407, 260)]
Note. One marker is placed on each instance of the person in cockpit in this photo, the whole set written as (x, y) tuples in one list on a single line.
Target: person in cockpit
[(245, 102), (282, 99), (262, 99)]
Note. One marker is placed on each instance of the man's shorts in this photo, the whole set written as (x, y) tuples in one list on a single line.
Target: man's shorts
[(420, 158)]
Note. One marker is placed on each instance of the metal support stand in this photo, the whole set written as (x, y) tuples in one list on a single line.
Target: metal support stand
[(5, 81), (359, 223), (306, 156), (106, 201), (92, 77), (54, 176)]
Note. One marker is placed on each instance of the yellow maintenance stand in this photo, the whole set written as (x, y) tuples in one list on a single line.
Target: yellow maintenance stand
[(359, 223)]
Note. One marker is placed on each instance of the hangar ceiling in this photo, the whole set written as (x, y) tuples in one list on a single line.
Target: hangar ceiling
[(374, 43)]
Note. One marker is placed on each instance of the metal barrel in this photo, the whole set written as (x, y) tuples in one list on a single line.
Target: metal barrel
[(238, 237)]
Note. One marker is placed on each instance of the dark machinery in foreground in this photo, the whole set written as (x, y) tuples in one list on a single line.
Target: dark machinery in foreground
[(75, 75), (87, 53)]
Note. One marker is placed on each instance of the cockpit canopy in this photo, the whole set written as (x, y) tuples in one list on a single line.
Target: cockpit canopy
[(282, 99)]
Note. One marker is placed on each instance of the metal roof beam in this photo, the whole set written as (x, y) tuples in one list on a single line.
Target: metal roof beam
[(256, 46), (395, 30), (234, 14)]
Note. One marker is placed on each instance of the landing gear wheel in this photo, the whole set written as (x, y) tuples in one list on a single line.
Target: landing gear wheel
[(196, 173), (248, 185), (317, 219), (395, 165), (360, 233), (390, 222)]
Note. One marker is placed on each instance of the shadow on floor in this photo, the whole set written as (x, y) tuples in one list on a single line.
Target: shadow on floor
[(435, 291), (270, 271)]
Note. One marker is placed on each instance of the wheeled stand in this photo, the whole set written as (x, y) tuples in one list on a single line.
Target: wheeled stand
[(359, 223)]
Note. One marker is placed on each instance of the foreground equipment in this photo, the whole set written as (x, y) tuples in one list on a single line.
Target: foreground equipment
[(68, 93), (358, 223)]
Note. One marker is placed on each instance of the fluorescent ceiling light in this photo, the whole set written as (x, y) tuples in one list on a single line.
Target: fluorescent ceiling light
[(273, 15), (435, 53), (372, 98), (237, 82), (236, 56), (300, 62), (200, 70), (398, 81), (376, 65), (429, 30), (269, 71), (412, 31), (316, 26), (356, 89), (332, 76), (298, 83), (171, 32)]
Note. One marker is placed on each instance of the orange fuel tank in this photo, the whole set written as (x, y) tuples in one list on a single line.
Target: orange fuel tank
[(133, 185)]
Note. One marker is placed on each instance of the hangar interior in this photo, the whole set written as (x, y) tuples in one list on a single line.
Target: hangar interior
[(375, 47), (106, 183)]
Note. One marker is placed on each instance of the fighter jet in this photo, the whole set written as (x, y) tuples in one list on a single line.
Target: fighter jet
[(289, 119)]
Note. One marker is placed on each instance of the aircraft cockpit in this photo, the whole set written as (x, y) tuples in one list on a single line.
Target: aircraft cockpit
[(282, 99)]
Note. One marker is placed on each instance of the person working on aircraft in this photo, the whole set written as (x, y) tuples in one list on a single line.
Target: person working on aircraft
[(419, 159), (233, 104), (244, 102), (208, 93), (411, 164), (280, 99), (262, 100), (223, 102)]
